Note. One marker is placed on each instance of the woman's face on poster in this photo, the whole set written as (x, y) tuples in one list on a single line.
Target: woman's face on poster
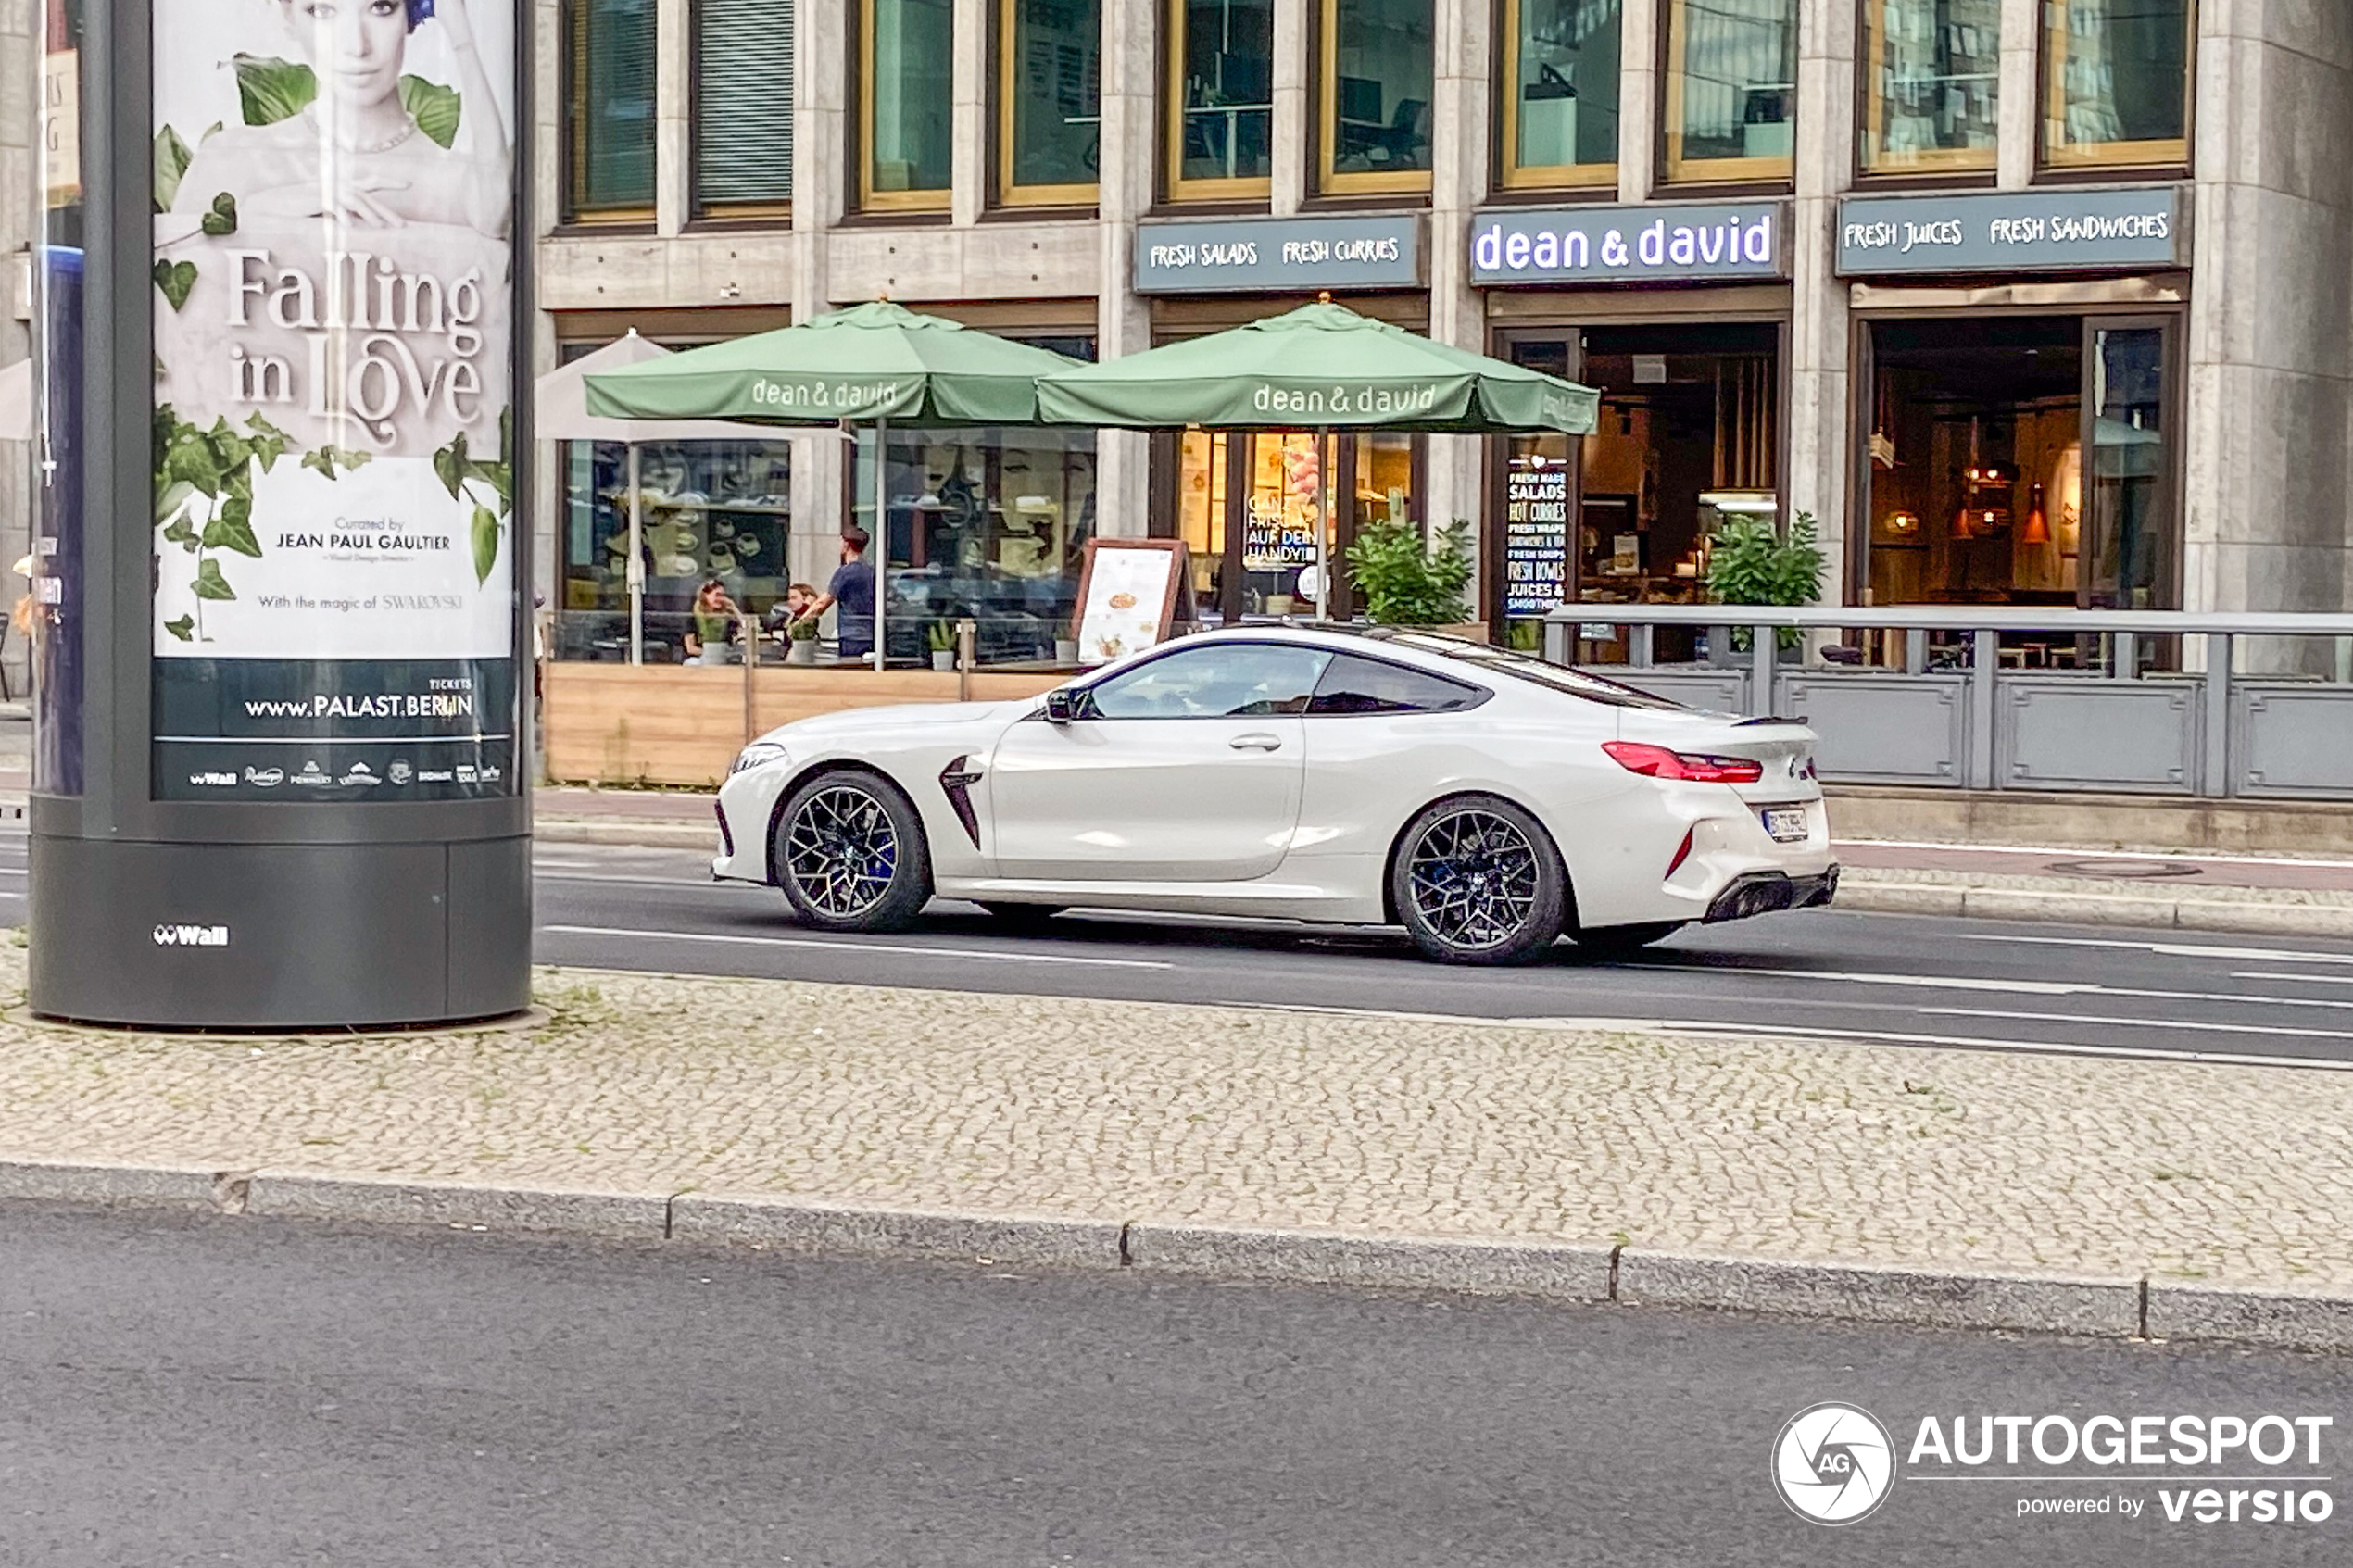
[(355, 46)]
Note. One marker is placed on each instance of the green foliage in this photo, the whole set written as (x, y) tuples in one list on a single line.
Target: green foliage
[(485, 543), (171, 159), (217, 464), (270, 91), (1408, 580), (1751, 563), (455, 469), (184, 628), (939, 637), (209, 583), (433, 107), (176, 278), (327, 461), (221, 220)]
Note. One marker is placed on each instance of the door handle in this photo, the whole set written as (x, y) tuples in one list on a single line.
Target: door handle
[(1256, 741)]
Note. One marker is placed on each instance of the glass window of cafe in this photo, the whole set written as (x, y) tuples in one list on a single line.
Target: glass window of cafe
[(1560, 94), (1687, 435), (1931, 74), (1251, 505), (990, 524), (608, 110), (905, 102), (1221, 105), (1048, 101), (1732, 91), (1373, 132), (2020, 460), (709, 508), (2116, 84)]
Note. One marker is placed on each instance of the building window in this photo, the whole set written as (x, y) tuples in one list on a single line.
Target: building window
[(609, 110), (1932, 71), (1050, 117), (708, 508), (1221, 69), (1376, 95), (2116, 84), (743, 107), (1250, 508), (1732, 90), (1560, 93), (905, 99)]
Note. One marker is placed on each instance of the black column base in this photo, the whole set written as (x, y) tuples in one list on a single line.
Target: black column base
[(279, 935)]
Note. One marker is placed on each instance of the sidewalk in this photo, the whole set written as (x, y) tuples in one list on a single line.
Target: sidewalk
[(1268, 1142), (2259, 893)]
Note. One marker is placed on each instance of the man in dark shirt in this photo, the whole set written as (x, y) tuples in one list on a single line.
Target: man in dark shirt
[(852, 592)]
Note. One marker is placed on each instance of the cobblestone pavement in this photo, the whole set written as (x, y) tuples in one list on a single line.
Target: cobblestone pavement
[(1135, 1110)]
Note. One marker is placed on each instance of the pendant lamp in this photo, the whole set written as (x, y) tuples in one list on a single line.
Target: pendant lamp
[(2038, 527)]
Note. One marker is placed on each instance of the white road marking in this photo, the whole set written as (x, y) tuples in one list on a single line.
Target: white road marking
[(853, 945), (2166, 949), (2014, 987), (2294, 978), (2135, 1022)]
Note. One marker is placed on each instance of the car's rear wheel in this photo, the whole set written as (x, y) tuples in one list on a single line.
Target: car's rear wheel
[(850, 854), (1478, 881), (1616, 941), (1025, 917)]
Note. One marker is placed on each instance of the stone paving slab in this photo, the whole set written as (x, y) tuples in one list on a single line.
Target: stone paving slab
[(1206, 1117)]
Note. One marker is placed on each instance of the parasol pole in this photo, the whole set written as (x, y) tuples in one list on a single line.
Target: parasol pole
[(635, 574), (879, 541), (1331, 511)]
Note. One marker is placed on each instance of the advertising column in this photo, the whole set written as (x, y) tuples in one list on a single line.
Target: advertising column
[(289, 417), (334, 589)]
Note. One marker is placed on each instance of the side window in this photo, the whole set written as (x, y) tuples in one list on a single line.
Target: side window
[(1218, 681), (1375, 686)]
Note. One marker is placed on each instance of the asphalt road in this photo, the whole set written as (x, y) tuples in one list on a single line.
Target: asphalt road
[(182, 1391), (1837, 975)]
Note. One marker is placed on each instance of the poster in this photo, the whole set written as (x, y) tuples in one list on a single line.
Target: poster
[(334, 604), (1535, 535), (1128, 599)]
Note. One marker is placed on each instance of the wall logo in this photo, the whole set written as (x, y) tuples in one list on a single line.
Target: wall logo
[(1833, 1465), (400, 772), (192, 935)]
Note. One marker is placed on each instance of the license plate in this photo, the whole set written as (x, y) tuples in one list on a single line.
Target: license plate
[(1786, 823)]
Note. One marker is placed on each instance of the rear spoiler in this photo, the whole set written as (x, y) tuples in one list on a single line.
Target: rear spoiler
[(1768, 718)]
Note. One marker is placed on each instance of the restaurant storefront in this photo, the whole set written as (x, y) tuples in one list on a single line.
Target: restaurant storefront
[(1249, 505), (2018, 396), (1678, 316)]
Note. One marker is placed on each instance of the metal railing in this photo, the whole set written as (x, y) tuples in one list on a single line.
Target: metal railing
[(2156, 702)]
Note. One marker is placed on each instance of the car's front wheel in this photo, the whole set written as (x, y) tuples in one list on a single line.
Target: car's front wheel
[(850, 854), (1478, 881)]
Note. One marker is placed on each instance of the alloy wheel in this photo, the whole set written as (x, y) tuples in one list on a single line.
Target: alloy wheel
[(841, 851), (1473, 877)]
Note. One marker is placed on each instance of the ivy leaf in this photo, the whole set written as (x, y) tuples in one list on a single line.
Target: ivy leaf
[(172, 496), (182, 532), (190, 458), (270, 443), (450, 465), (175, 279), (184, 628), (486, 542), (209, 583), (171, 159), (433, 107), (270, 91), (499, 477), (223, 218), (232, 528)]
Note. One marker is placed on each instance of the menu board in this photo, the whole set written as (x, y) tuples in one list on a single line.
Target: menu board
[(1128, 596), (1535, 535)]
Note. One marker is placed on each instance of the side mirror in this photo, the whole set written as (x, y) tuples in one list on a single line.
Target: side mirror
[(1061, 706)]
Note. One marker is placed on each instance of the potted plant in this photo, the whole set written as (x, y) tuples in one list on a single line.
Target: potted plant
[(1410, 579), (941, 639), (803, 635), (1751, 562)]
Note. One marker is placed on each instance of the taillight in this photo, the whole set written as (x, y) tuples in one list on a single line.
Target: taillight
[(1657, 762)]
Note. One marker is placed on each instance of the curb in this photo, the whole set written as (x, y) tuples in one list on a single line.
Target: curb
[(639, 835), (1565, 1272), (2066, 904)]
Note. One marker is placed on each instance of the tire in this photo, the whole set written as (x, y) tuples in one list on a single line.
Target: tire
[(1617, 941), (1478, 881), (850, 853), (1025, 917)]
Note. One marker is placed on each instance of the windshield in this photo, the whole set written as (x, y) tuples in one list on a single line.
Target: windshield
[(1559, 677)]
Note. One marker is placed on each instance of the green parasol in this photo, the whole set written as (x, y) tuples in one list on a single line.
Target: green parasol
[(1321, 367), (868, 365)]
